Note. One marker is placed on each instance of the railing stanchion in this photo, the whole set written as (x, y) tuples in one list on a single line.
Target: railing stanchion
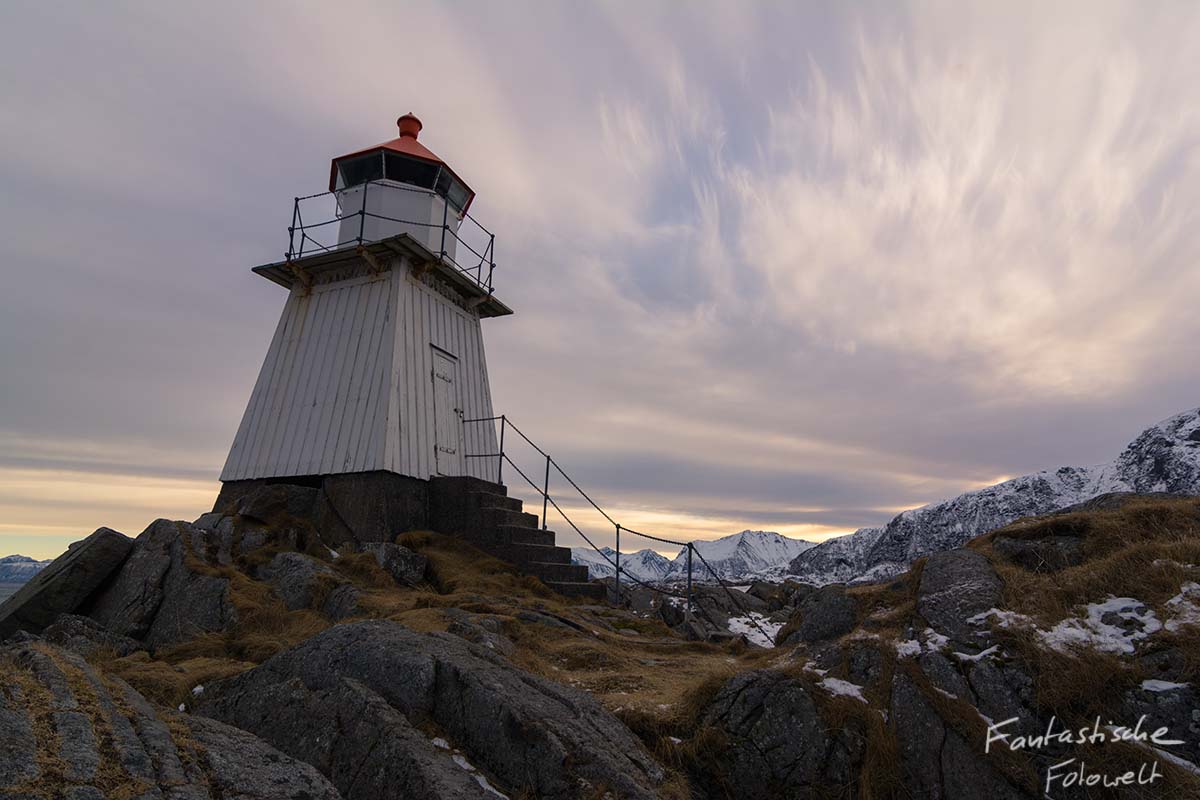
[(618, 563), (545, 492), (362, 214), (689, 583), (445, 224), (292, 230), (500, 460)]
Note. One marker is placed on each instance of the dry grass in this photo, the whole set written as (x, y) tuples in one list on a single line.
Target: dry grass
[(1120, 548)]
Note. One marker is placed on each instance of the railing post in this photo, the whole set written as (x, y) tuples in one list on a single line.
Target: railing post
[(445, 224), (689, 583), (362, 213), (618, 563), (545, 492), (292, 230), (500, 465)]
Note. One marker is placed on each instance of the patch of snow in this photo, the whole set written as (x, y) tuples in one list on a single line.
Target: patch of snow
[(978, 656), (674, 740), (909, 648), (182, 707), (332, 553), (1154, 685), (198, 690), (837, 686), (482, 781), (1095, 632), (440, 742), (746, 626), (1182, 763), (1184, 610), (934, 640)]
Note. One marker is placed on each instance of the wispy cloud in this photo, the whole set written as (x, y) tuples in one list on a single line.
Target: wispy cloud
[(772, 266)]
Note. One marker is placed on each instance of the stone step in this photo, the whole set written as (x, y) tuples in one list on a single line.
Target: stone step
[(496, 517), (517, 534), (465, 483), (562, 573), (594, 591), (493, 500), (521, 554)]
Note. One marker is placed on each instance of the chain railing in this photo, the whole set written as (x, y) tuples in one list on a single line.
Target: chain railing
[(502, 457), (324, 235)]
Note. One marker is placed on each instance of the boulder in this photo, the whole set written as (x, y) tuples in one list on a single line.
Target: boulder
[(825, 614), (1045, 554), (166, 592), (936, 761), (86, 637), (65, 584), (775, 743), (304, 582), (67, 731), (527, 734), (405, 566), (956, 585)]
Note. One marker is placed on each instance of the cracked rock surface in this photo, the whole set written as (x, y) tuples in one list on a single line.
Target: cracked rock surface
[(67, 731)]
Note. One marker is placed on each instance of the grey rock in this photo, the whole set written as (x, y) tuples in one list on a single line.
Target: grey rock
[(108, 717), (1047, 554), (405, 566), (475, 632), (825, 614), (955, 586), (376, 748), (936, 761), (243, 767), (529, 733), (65, 584), (18, 748), (165, 592), (776, 743), (85, 637), (304, 582)]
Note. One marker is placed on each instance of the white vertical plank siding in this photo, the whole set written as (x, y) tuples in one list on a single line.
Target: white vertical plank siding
[(346, 385)]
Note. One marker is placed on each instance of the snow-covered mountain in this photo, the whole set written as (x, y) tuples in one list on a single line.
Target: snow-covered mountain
[(1164, 458), (741, 556), (19, 569), (645, 565)]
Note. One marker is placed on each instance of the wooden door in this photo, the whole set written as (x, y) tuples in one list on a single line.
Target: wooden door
[(447, 415)]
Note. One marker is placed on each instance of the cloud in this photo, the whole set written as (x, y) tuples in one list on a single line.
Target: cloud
[(769, 264)]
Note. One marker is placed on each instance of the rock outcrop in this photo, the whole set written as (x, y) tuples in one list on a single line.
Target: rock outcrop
[(824, 614), (61, 587), (526, 733), (67, 731), (166, 592), (304, 582)]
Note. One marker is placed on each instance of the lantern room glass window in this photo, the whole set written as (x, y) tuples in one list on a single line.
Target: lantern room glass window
[(411, 171), (353, 171), (403, 169)]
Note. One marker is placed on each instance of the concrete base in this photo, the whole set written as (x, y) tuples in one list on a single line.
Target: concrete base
[(356, 506)]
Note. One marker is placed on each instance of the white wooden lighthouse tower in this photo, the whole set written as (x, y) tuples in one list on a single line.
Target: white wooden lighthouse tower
[(378, 357)]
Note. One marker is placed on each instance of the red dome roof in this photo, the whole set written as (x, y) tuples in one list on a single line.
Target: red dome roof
[(407, 144)]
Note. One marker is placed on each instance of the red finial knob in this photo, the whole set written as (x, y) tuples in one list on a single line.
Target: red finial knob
[(409, 125)]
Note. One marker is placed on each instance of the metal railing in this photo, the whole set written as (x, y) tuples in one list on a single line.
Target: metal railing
[(478, 263), (548, 501)]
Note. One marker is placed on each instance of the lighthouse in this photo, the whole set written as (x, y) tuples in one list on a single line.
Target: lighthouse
[(376, 370)]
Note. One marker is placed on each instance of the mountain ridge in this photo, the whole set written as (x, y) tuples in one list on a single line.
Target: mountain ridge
[(1163, 458)]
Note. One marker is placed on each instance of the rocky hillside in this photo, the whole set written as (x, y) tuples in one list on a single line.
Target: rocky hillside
[(739, 557), (243, 656), (1164, 458), (19, 569)]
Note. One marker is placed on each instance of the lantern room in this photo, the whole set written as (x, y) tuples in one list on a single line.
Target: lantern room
[(400, 186)]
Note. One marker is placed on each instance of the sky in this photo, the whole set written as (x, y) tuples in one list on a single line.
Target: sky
[(793, 267)]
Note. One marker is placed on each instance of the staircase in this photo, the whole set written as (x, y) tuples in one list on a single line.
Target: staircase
[(484, 515)]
